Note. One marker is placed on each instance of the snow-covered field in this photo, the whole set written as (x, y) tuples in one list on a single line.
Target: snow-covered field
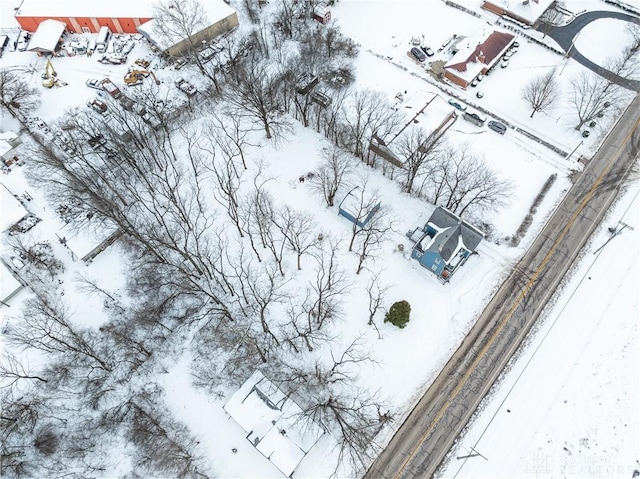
[(407, 360), (568, 407)]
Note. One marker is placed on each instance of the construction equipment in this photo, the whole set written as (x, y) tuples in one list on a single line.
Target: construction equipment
[(49, 75), (142, 62), (135, 77)]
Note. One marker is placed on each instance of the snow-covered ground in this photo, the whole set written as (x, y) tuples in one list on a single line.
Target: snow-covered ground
[(618, 37), (407, 359), (568, 407)]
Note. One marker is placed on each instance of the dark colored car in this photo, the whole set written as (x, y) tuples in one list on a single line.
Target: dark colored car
[(427, 51), (497, 127), (418, 54), (457, 105)]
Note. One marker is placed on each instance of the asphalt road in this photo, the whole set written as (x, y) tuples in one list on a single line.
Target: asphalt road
[(566, 35), (426, 436)]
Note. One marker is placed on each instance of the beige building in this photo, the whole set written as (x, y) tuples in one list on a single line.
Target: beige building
[(220, 19)]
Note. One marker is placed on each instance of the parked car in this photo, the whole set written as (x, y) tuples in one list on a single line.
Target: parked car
[(480, 77), (474, 118), (418, 54), (186, 87), (152, 120), (474, 82), (94, 83), (505, 63), (110, 88), (427, 51), (457, 105), (497, 127), (23, 41), (113, 58), (479, 93), (207, 54), (586, 133), (97, 105)]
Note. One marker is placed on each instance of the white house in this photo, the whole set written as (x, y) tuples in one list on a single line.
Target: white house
[(271, 421)]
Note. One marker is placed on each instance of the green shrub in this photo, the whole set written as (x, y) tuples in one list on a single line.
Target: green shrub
[(398, 314)]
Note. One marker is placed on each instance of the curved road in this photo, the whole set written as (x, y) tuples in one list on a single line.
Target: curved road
[(428, 433), (566, 34)]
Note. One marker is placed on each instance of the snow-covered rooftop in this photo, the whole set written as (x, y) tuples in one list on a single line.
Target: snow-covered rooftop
[(214, 11), (11, 210), (8, 283), (82, 242), (479, 51), (270, 417), (5, 147), (529, 10), (358, 205), (83, 8), (46, 37)]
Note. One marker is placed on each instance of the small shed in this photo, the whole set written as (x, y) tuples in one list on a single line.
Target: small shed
[(9, 283), (12, 210), (321, 13), (87, 243), (358, 208), (47, 36), (444, 243), (271, 420)]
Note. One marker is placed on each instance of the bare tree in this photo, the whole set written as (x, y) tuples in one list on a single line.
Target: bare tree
[(419, 150), (372, 235), (164, 446), (461, 180), (298, 230), (176, 21), (255, 95), (328, 286), (332, 173), (366, 113), (329, 396), (590, 95), (16, 96), (12, 370), (362, 204), (377, 294), (542, 92), (45, 326)]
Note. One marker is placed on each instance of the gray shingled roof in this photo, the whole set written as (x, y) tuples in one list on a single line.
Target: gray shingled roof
[(453, 227)]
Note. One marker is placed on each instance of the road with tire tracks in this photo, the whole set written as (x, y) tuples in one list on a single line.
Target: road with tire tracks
[(425, 437)]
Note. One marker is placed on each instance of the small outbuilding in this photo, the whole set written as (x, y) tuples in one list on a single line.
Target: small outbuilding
[(358, 208), (321, 13), (9, 283), (444, 243), (12, 211), (87, 243), (47, 36), (272, 422), (9, 141)]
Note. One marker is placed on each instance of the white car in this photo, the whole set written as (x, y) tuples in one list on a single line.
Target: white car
[(23, 41), (94, 83), (186, 87)]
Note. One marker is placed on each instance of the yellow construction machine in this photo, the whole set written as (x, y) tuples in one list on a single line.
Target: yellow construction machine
[(135, 77), (49, 75)]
